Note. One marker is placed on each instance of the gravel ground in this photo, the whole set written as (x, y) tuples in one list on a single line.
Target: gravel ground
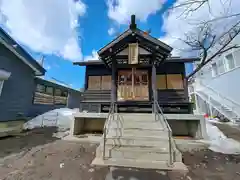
[(36, 155)]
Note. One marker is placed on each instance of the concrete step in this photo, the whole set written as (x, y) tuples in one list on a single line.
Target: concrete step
[(140, 125), (141, 142), (126, 152), (137, 116), (163, 165), (139, 132)]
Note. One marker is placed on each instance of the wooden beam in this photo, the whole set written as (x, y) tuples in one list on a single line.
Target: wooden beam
[(114, 81), (154, 79)]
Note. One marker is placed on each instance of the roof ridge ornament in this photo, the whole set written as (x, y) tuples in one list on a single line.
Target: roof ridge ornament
[(133, 24)]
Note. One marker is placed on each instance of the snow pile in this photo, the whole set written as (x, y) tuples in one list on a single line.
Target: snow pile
[(219, 142), (60, 118)]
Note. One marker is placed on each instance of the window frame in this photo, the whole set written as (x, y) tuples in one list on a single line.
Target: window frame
[(1, 86), (214, 69), (227, 60), (49, 93), (44, 88)]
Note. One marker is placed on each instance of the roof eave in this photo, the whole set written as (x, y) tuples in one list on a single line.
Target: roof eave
[(38, 69), (170, 59)]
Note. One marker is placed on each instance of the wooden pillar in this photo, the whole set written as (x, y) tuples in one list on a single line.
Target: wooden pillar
[(154, 87), (114, 81), (185, 86)]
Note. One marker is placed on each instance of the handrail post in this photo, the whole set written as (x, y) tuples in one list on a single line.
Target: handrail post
[(112, 110), (159, 112)]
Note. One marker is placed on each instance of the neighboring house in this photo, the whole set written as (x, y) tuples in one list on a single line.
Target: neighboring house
[(18, 72), (51, 95), (217, 86)]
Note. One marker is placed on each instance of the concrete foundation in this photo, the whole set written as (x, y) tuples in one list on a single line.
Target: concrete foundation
[(181, 124)]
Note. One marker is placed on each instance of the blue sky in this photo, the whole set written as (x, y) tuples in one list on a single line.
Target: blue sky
[(93, 21)]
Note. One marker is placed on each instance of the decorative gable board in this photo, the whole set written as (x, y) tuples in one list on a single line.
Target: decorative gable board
[(133, 53), (140, 50)]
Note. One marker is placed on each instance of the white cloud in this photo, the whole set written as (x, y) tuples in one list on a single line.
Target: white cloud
[(44, 26), (177, 23), (111, 31), (121, 10), (94, 56)]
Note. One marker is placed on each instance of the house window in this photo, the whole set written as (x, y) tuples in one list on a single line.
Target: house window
[(49, 90), (230, 64), (220, 66), (214, 70), (1, 86), (58, 92), (174, 81), (236, 55), (40, 88)]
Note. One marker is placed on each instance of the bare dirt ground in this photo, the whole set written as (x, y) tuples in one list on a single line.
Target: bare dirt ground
[(36, 155)]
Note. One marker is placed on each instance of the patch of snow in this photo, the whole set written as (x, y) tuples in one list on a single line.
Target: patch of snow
[(219, 142), (60, 118)]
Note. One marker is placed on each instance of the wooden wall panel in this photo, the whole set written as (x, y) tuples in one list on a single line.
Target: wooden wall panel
[(94, 82), (161, 82), (174, 81), (106, 82)]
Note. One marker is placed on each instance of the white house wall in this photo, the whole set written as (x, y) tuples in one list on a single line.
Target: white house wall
[(227, 83)]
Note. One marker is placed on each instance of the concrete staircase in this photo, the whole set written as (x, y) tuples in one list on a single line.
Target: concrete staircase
[(223, 105), (137, 140)]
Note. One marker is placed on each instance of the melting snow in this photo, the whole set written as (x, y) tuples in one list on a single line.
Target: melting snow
[(60, 118), (219, 142)]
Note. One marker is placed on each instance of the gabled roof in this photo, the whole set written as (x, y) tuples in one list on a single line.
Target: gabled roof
[(159, 49), (138, 32), (14, 47)]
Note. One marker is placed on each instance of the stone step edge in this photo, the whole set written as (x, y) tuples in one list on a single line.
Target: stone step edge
[(163, 165), (146, 138), (135, 149), (138, 129), (138, 146)]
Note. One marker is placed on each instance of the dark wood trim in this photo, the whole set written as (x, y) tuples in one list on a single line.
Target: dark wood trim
[(114, 82), (86, 79), (150, 84), (154, 80), (185, 84)]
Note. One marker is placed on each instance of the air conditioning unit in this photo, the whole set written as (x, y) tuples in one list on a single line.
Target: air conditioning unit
[(133, 53)]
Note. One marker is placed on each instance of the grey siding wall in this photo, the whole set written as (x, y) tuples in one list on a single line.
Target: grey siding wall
[(38, 109), (17, 92), (74, 99)]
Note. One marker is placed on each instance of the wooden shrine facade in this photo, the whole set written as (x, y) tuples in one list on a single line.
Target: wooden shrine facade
[(134, 70)]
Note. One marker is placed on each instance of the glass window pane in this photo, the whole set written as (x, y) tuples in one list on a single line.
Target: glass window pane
[(236, 55), (1, 86), (58, 92), (214, 70), (230, 61), (40, 88), (49, 90), (220, 66)]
